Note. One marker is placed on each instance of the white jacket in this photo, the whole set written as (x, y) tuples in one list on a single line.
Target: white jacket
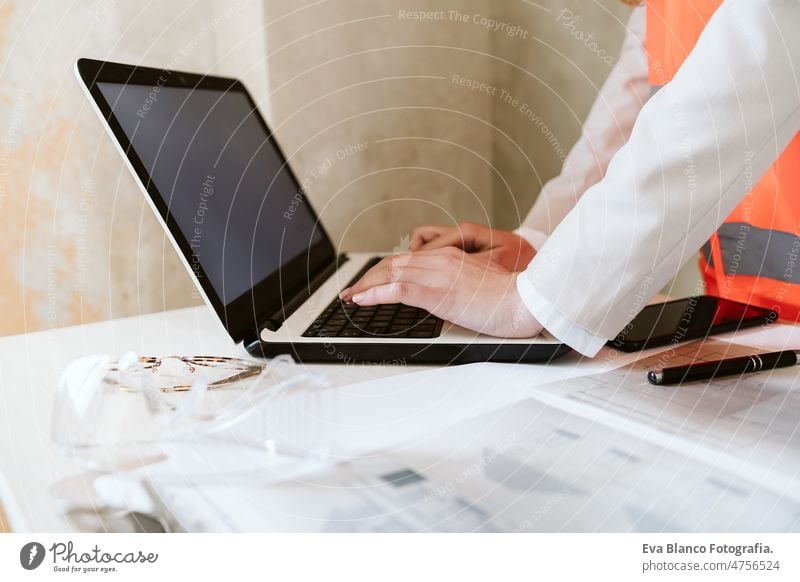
[(651, 178)]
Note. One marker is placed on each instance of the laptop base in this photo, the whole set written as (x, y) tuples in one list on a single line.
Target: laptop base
[(407, 353)]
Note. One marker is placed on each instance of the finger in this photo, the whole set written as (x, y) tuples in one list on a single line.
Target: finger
[(397, 292), (444, 262), (423, 234), (469, 237), (374, 274), (397, 275), (455, 238), (397, 272)]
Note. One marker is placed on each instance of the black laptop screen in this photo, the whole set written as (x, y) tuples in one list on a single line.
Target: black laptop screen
[(223, 180)]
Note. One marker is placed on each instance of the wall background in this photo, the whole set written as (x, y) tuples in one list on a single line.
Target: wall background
[(344, 72), (557, 74), (80, 244)]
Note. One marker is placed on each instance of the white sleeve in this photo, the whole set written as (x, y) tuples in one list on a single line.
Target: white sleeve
[(606, 129), (698, 143)]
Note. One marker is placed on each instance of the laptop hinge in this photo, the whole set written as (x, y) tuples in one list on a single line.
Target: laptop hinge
[(273, 321)]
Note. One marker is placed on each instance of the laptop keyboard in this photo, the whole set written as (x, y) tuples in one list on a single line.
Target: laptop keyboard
[(395, 320)]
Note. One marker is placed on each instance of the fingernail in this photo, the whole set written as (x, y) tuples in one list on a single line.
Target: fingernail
[(344, 293), (357, 298)]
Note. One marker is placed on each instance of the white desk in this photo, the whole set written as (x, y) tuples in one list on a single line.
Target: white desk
[(30, 366)]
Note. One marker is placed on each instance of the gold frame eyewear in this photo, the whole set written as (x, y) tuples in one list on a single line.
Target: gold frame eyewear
[(239, 369)]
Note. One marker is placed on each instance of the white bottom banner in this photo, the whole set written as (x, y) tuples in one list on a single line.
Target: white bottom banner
[(389, 557)]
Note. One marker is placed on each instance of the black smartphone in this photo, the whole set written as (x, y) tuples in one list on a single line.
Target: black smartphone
[(687, 319)]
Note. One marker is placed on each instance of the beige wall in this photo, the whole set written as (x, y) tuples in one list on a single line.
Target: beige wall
[(345, 72), (79, 243), (555, 77)]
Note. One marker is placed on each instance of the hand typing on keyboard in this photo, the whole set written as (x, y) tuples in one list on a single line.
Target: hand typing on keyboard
[(452, 285), (349, 320), (341, 319)]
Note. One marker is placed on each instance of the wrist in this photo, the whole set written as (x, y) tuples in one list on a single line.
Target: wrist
[(523, 323), (535, 238)]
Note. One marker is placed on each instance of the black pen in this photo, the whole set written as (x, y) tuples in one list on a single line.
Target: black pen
[(730, 367)]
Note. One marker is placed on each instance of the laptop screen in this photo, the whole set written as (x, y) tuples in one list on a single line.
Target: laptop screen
[(225, 183)]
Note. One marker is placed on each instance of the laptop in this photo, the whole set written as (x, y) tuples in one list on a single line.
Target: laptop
[(224, 192)]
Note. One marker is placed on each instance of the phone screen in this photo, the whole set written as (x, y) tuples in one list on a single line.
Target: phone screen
[(690, 318)]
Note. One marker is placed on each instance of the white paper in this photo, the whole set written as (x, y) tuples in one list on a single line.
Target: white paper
[(770, 338), (497, 447), (407, 410), (750, 421)]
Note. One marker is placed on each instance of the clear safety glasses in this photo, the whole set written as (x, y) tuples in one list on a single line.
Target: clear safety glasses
[(118, 415)]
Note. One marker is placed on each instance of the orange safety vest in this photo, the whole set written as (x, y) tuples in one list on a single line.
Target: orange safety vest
[(754, 257)]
